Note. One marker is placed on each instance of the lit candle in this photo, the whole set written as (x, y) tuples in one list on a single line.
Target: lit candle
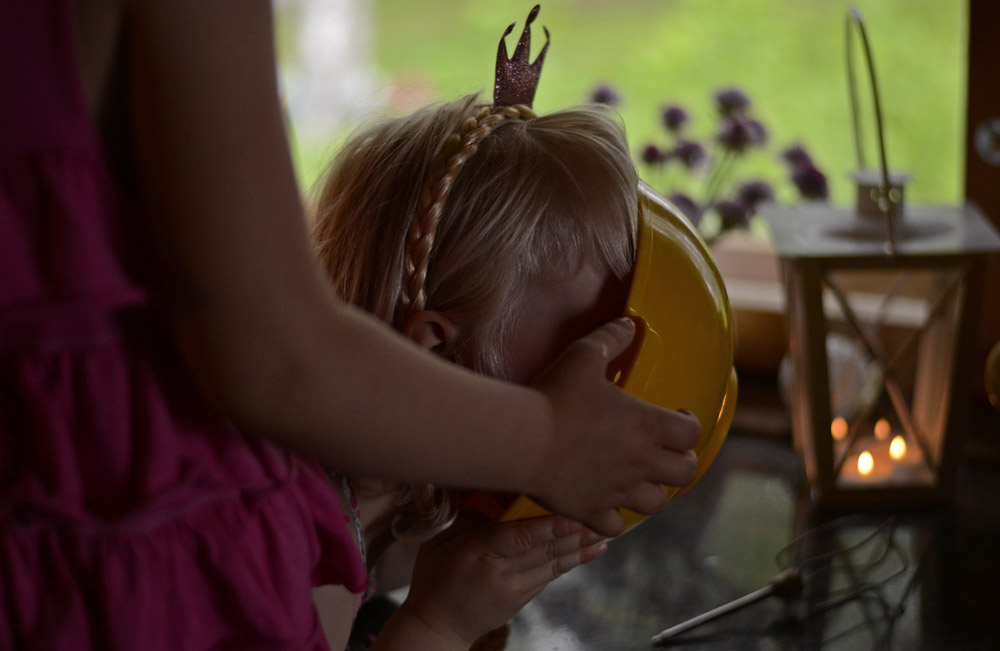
[(882, 429), (866, 463), (838, 428), (897, 449)]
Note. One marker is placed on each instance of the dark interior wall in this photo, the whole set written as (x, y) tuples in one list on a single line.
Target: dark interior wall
[(982, 179)]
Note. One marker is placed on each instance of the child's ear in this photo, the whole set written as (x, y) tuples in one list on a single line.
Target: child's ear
[(434, 332)]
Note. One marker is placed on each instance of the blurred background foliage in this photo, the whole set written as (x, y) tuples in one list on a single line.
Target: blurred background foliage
[(788, 56)]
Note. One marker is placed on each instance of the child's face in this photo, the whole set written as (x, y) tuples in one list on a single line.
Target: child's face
[(558, 311)]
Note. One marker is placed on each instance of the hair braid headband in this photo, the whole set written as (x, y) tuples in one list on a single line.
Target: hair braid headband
[(514, 90), (458, 148)]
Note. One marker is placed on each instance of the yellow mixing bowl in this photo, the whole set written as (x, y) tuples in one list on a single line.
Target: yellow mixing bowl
[(685, 356)]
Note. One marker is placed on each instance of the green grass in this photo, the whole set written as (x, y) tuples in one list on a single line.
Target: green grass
[(787, 55)]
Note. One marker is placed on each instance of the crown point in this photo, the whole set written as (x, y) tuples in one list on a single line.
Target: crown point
[(516, 78)]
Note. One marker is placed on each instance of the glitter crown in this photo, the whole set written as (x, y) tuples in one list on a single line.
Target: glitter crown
[(516, 79)]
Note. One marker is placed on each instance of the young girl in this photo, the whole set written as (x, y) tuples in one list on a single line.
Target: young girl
[(156, 287), (492, 238)]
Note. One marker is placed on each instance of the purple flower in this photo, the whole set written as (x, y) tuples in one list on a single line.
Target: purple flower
[(752, 193), (810, 181), (674, 118), (687, 206), (739, 132), (733, 214), (731, 101), (796, 155), (653, 155), (605, 95), (690, 153)]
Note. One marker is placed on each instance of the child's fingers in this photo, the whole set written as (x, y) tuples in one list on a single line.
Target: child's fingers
[(649, 497), (536, 577), (512, 539), (558, 556), (673, 468), (682, 467), (613, 338), (533, 543), (595, 351), (683, 433), (610, 521)]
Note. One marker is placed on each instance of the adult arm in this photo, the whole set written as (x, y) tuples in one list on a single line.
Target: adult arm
[(270, 343)]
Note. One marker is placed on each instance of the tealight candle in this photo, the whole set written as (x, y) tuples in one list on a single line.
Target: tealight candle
[(882, 429), (838, 428), (866, 463), (897, 449)]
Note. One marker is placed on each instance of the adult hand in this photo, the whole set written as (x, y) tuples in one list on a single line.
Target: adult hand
[(609, 449), (476, 576)]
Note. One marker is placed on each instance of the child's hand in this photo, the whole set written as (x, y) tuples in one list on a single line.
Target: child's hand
[(610, 449), (476, 576)]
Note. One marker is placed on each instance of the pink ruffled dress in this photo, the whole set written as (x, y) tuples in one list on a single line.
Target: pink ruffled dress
[(132, 516)]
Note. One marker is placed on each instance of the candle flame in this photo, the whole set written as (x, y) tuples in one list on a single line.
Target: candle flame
[(838, 428), (897, 449), (866, 463), (882, 429)]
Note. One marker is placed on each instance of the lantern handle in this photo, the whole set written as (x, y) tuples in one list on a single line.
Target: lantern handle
[(855, 22)]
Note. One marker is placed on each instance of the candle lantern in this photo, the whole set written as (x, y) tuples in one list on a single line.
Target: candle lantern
[(905, 287)]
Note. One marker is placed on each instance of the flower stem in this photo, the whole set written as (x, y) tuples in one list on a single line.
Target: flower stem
[(717, 177)]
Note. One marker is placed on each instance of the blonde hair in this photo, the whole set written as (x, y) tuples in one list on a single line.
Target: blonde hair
[(458, 208)]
